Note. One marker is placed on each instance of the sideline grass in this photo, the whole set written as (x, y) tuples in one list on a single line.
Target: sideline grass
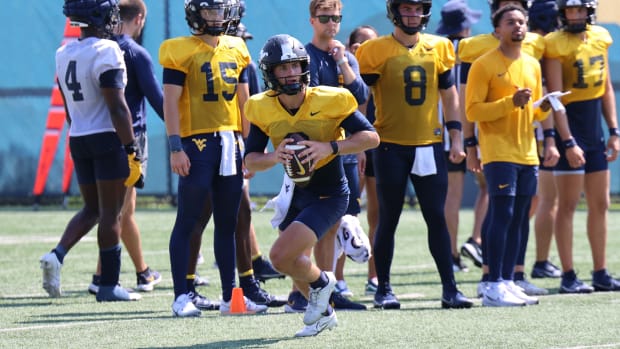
[(29, 319)]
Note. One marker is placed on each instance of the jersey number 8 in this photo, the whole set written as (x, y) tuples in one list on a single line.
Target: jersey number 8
[(415, 85)]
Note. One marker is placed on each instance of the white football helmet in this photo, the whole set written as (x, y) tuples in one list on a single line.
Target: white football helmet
[(352, 240)]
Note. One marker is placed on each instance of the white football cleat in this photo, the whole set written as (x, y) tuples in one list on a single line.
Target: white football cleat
[(319, 300), (518, 291), (326, 322), (184, 307), (498, 295), (51, 274)]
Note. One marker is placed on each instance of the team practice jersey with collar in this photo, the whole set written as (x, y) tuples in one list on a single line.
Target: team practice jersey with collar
[(79, 66), (584, 62), (319, 117), (406, 113), (212, 75)]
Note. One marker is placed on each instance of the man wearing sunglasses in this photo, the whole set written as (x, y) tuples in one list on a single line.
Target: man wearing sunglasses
[(331, 65)]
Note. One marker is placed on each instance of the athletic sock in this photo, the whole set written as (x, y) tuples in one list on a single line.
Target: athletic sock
[(519, 276), (189, 280), (321, 282), (110, 265), (60, 253)]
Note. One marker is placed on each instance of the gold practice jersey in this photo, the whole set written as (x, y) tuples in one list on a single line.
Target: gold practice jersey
[(506, 132), (319, 117), (584, 63), (473, 47), (406, 92), (209, 99)]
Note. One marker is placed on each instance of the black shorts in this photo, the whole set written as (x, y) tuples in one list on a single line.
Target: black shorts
[(99, 156)]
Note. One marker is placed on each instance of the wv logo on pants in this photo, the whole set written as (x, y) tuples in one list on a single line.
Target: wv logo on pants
[(200, 143)]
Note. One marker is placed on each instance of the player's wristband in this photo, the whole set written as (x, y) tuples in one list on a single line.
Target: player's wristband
[(335, 149), (342, 61), (549, 132), (454, 125), (613, 131), (175, 143), (131, 148), (569, 143), (470, 142)]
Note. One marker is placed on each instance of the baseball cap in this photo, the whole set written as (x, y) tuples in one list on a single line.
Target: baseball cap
[(457, 16)]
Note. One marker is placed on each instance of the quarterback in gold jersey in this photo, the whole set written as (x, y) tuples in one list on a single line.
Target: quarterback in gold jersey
[(408, 72), (204, 84), (307, 212), (576, 60)]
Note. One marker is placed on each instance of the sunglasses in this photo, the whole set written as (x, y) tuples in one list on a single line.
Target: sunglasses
[(325, 18)]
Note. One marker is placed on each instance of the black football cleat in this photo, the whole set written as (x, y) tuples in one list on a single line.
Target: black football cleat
[(455, 301), (263, 270)]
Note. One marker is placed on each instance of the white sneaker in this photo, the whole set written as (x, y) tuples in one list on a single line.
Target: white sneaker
[(319, 300), (51, 274), (326, 322), (531, 289), (481, 289), (116, 294), (518, 292), (497, 295), (250, 307), (343, 289), (184, 307)]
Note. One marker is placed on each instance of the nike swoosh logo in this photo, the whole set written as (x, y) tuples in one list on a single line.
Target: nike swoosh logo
[(503, 186), (491, 298), (501, 74), (314, 113), (302, 170), (321, 326)]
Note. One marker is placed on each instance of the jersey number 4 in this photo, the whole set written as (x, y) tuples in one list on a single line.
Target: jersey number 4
[(211, 95), (72, 83)]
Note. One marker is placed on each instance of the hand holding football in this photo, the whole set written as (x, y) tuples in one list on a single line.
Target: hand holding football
[(298, 171)]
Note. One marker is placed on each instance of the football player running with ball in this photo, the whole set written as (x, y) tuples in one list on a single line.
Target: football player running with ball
[(289, 106), (408, 72)]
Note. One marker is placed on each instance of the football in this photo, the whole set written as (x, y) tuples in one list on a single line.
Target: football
[(299, 172), (352, 241)]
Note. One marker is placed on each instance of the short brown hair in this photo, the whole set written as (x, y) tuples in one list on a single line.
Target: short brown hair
[(129, 9), (324, 5)]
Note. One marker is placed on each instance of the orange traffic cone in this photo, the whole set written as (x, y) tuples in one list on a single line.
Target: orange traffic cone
[(237, 303)]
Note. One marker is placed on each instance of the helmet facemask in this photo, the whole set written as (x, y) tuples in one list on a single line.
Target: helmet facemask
[(577, 26), (282, 49), (211, 17), (394, 15)]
